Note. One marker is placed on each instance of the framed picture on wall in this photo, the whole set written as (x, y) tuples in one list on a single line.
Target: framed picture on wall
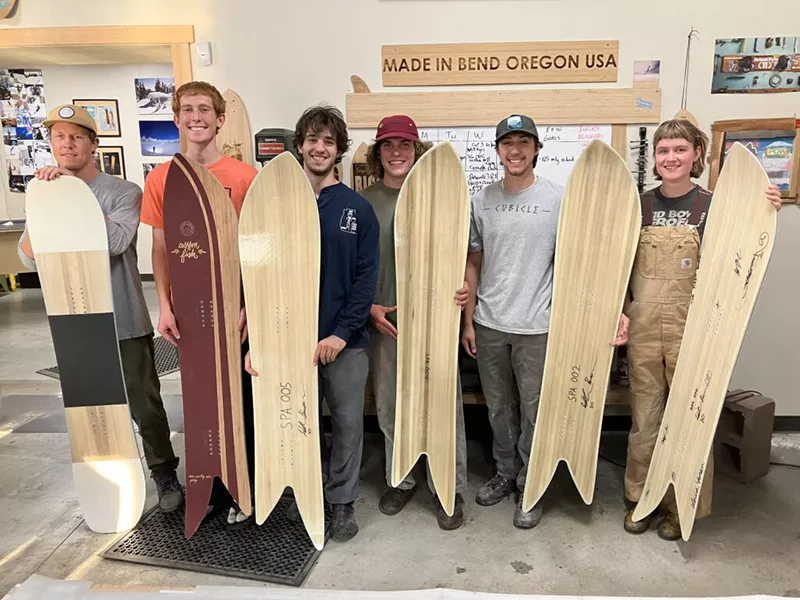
[(105, 114), (111, 160), (775, 142)]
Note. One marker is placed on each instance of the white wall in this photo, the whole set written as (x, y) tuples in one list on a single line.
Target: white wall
[(283, 56)]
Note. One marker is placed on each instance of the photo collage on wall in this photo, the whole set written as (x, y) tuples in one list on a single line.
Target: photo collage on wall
[(23, 111), (158, 135)]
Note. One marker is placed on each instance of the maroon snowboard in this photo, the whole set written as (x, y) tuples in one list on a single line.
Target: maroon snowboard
[(201, 233)]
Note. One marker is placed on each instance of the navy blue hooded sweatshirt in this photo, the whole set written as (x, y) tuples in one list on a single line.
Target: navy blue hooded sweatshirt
[(349, 264)]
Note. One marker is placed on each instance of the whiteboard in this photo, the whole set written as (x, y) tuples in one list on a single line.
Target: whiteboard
[(475, 145)]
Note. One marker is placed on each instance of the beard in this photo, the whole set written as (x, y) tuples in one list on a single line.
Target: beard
[(322, 171)]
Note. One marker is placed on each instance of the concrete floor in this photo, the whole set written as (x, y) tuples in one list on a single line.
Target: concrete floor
[(750, 545)]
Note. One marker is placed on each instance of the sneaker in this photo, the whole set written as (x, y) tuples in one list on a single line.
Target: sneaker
[(670, 528), (527, 520), (170, 492), (344, 526), (495, 490), (394, 499), (237, 519), (454, 522)]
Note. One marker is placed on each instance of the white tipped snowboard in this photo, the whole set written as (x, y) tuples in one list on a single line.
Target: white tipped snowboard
[(598, 231), (737, 245), (279, 250), (431, 233), (68, 235)]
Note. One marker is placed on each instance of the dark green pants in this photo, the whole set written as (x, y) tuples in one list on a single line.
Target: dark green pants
[(144, 398)]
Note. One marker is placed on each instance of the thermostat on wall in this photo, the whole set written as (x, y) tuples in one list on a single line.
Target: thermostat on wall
[(203, 50)]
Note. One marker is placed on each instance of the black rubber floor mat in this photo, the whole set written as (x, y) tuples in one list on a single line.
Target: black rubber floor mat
[(166, 357), (279, 551)]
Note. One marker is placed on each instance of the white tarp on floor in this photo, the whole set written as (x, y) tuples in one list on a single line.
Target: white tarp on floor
[(39, 588)]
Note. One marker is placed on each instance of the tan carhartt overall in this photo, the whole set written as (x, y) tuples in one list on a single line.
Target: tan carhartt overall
[(661, 289)]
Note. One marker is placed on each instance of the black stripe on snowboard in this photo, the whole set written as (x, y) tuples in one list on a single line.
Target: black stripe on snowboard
[(87, 353)]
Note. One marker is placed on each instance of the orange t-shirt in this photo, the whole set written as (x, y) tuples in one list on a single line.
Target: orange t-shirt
[(235, 176)]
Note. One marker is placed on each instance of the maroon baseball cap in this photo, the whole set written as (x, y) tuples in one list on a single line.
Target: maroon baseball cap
[(399, 126)]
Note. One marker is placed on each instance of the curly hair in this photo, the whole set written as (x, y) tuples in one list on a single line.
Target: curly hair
[(195, 88), (374, 164), (682, 129), (317, 119)]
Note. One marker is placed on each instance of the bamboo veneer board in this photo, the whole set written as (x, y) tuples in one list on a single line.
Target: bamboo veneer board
[(598, 232), (68, 235), (737, 245), (361, 178), (234, 137), (279, 246), (431, 232), (200, 229)]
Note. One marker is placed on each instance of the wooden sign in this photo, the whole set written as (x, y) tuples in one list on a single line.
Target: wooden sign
[(510, 62)]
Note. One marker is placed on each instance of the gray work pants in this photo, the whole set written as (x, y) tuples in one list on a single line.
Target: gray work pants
[(383, 365), (511, 367), (342, 383)]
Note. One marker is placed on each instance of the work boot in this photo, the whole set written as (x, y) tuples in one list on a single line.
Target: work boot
[(344, 526), (394, 499), (495, 490), (454, 522), (670, 528), (527, 520), (170, 492), (636, 527)]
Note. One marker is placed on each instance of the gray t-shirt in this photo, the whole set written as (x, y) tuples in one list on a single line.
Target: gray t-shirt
[(384, 200), (517, 234), (121, 203)]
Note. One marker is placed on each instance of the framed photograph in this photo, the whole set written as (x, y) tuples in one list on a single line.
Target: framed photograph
[(159, 138), (111, 160), (756, 65), (775, 142), (154, 95), (105, 114)]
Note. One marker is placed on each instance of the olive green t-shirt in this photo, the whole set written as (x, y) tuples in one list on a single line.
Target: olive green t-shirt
[(384, 200)]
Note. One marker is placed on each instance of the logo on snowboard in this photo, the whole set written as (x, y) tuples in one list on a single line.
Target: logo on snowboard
[(187, 229), (188, 250), (348, 223)]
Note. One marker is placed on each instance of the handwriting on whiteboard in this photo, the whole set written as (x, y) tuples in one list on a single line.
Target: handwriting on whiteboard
[(563, 145)]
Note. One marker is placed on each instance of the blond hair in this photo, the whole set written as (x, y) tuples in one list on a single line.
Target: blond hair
[(682, 129)]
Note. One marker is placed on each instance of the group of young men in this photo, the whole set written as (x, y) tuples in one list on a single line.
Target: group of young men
[(506, 295)]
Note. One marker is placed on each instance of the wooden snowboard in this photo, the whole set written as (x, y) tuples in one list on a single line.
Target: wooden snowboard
[(359, 171), (200, 229), (598, 232), (431, 233), (279, 249), (68, 235), (737, 245), (234, 137)]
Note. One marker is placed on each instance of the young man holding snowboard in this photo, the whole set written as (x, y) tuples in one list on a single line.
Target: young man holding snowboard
[(673, 220), (506, 321), (397, 148), (199, 113), (73, 139), (348, 276)]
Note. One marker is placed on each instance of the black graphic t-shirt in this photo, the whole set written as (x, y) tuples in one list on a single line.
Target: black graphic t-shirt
[(689, 209)]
